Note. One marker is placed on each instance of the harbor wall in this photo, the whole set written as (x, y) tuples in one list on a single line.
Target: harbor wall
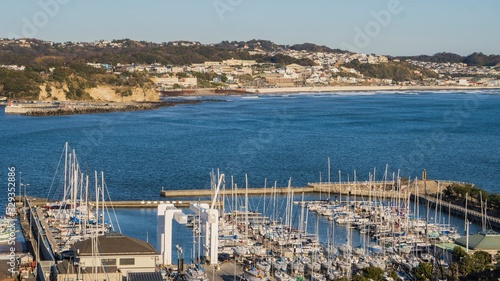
[(472, 215), (374, 189)]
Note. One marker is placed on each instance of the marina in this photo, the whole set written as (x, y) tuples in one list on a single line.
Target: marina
[(338, 229), (249, 245), (263, 242)]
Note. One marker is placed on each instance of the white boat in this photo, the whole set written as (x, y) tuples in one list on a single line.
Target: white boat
[(254, 274), (240, 250), (358, 251), (196, 274), (313, 266), (345, 248), (258, 250), (297, 266), (264, 266), (281, 275), (378, 263), (361, 265), (280, 264), (376, 249), (317, 277)]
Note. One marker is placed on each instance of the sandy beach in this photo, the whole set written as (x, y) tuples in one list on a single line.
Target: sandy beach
[(325, 89), (364, 89)]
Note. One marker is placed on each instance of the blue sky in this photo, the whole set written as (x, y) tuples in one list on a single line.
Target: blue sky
[(391, 27)]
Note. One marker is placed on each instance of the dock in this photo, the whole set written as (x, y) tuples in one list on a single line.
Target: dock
[(137, 204), (152, 203), (374, 189), (240, 191), (472, 215)]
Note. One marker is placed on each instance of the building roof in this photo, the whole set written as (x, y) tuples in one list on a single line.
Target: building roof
[(448, 246), (66, 267), (145, 276), (487, 240), (115, 244)]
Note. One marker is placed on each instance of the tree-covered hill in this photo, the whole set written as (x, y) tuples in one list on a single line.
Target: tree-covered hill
[(474, 59), (397, 71)]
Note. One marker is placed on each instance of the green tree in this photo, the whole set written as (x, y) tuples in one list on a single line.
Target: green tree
[(182, 75), (393, 274), (373, 273), (454, 272), (424, 271), (459, 253), (466, 265), (481, 261), (358, 277)]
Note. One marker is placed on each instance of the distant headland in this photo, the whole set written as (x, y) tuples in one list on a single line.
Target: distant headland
[(139, 71)]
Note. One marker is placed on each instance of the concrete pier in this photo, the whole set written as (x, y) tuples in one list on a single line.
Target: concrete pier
[(123, 204), (374, 189), (472, 215), (239, 191)]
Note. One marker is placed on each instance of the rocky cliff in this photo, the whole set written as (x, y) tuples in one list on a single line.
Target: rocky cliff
[(49, 92)]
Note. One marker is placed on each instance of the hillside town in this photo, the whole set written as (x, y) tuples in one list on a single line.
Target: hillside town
[(334, 68)]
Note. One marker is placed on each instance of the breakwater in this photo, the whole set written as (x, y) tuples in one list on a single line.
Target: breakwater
[(472, 215), (38, 202), (426, 191), (102, 108), (375, 189)]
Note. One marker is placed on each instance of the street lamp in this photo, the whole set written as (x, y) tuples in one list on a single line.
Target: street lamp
[(25, 185)]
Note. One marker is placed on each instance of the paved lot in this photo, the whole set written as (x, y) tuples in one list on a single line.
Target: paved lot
[(228, 271)]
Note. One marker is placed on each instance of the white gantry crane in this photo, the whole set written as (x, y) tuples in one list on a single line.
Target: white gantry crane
[(166, 213), (209, 220)]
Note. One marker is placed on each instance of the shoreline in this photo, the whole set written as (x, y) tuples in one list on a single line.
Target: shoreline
[(366, 89), (326, 89), (93, 107)]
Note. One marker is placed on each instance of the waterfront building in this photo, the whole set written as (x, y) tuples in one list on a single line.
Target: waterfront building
[(113, 256), (488, 241)]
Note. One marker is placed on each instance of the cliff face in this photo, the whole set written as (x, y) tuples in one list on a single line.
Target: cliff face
[(53, 93), (100, 93), (107, 93)]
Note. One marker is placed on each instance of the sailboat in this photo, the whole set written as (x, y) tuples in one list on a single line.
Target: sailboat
[(196, 273), (76, 216), (254, 274)]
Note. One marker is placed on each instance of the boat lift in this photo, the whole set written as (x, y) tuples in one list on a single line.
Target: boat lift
[(209, 220), (166, 213)]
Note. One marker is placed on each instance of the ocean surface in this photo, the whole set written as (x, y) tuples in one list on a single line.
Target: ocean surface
[(453, 135)]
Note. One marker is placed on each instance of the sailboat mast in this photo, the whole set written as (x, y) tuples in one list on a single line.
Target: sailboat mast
[(483, 223), (466, 205), (246, 205), (102, 198), (87, 207), (96, 199), (264, 207), (65, 169), (340, 186), (329, 187)]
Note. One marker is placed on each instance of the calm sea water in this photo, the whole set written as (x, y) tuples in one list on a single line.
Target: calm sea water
[(453, 135)]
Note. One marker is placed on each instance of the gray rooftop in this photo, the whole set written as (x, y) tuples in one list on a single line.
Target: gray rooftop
[(487, 240), (145, 276), (115, 244)]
